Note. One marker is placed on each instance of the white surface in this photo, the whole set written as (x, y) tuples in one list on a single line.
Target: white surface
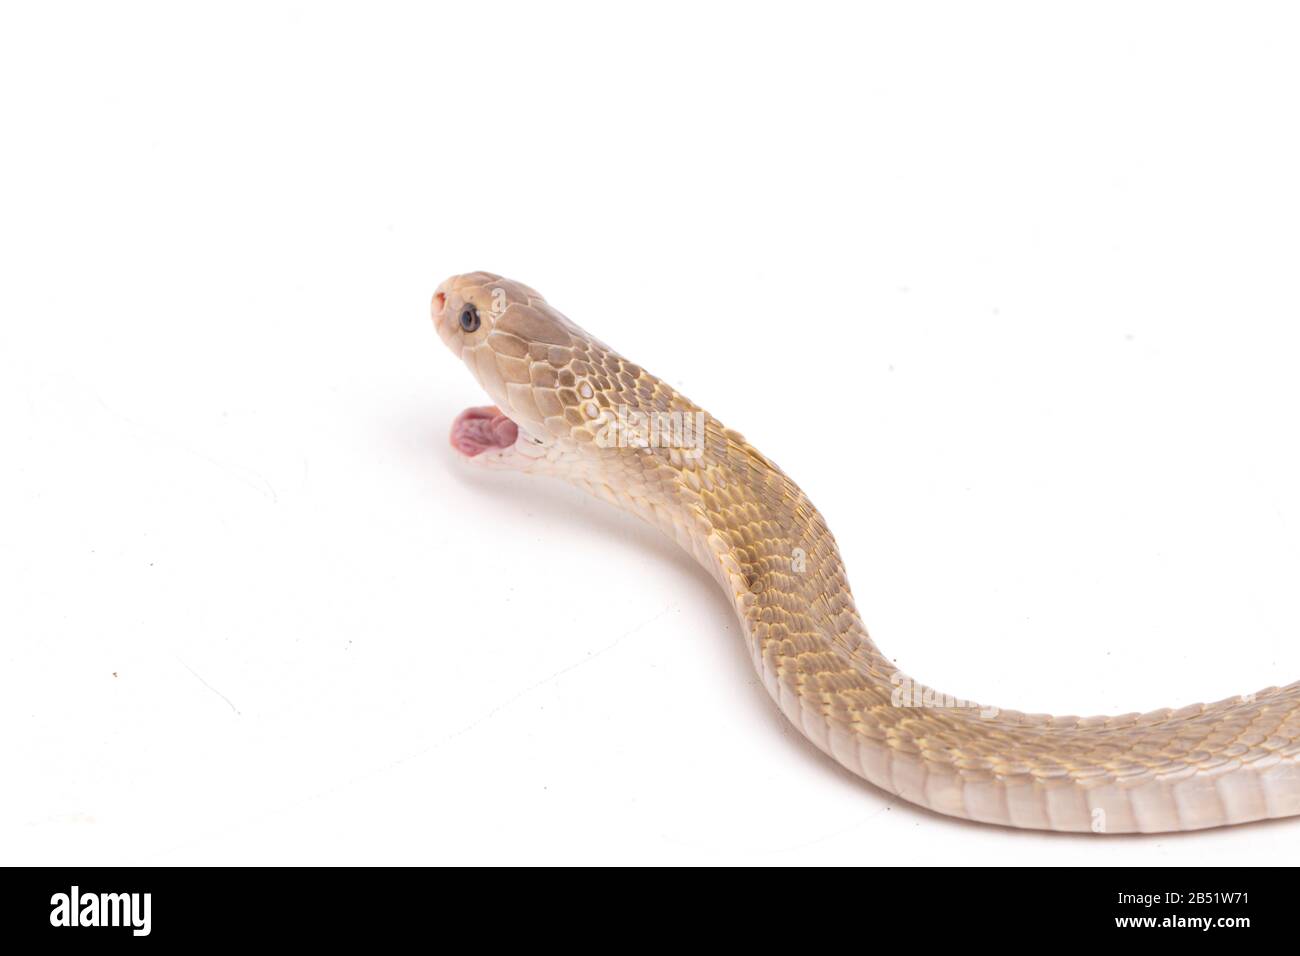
[(1011, 293)]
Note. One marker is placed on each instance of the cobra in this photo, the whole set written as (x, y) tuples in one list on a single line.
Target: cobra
[(564, 404)]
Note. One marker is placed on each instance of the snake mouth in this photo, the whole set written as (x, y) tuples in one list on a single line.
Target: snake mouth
[(483, 428)]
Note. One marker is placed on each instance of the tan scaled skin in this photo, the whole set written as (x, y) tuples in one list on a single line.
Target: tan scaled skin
[(738, 514)]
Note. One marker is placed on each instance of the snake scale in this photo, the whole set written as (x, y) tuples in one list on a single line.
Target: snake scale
[(568, 406)]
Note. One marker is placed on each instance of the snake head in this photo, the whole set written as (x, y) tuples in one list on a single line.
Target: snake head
[(526, 356), (563, 399)]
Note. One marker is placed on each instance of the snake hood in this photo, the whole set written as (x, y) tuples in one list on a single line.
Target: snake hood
[(568, 406)]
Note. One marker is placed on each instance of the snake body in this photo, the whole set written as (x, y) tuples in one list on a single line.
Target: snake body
[(568, 406)]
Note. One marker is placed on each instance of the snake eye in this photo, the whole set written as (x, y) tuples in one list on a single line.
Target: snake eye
[(469, 320)]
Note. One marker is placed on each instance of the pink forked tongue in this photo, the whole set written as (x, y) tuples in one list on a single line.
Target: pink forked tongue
[(477, 430)]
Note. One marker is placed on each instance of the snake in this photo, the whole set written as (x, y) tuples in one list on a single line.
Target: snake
[(566, 405)]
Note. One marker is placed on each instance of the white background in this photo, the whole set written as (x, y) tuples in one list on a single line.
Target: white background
[(1011, 291)]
